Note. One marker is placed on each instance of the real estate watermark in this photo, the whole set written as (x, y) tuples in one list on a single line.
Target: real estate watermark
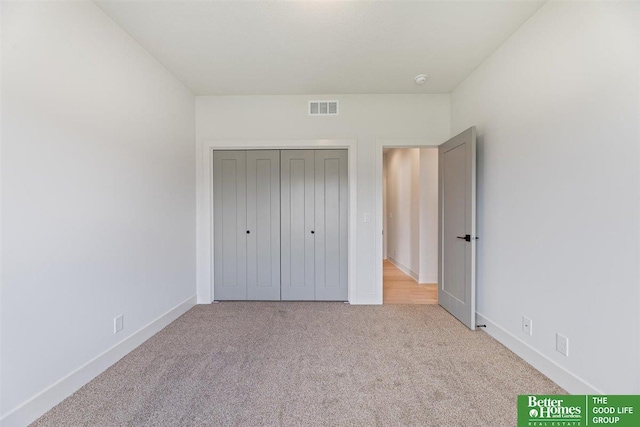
[(578, 410)]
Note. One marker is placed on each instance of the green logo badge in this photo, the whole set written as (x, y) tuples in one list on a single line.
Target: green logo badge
[(578, 411)]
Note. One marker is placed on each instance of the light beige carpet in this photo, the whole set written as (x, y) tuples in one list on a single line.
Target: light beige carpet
[(308, 364)]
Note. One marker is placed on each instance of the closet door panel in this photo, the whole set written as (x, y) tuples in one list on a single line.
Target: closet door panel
[(263, 225), (331, 202), (230, 209), (297, 219)]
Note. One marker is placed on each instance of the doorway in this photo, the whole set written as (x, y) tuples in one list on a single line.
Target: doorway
[(456, 220), (410, 225)]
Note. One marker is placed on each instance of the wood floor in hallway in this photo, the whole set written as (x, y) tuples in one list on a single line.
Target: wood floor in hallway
[(400, 288)]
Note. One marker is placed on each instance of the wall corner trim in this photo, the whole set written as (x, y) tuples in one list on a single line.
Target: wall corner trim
[(556, 373), (39, 404)]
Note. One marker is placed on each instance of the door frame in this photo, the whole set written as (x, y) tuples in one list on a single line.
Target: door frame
[(204, 250), (381, 144)]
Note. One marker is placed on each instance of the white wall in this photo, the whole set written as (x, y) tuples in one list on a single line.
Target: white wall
[(403, 209), (428, 215), (557, 109), (362, 117), (98, 201)]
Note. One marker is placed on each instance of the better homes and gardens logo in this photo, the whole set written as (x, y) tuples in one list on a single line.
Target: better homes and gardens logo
[(552, 411), (578, 411)]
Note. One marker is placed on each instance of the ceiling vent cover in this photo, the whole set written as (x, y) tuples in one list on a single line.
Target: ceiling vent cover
[(323, 108)]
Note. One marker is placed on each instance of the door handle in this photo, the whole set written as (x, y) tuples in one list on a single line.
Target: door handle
[(313, 232), (466, 238), (248, 232)]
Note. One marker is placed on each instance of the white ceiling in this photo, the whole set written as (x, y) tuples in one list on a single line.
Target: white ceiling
[(319, 47)]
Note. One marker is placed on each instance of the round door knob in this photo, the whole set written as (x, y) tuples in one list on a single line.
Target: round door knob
[(248, 232), (313, 232)]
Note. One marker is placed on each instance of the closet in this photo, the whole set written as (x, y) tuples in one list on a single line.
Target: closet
[(280, 225)]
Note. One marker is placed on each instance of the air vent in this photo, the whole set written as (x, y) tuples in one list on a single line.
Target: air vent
[(323, 108)]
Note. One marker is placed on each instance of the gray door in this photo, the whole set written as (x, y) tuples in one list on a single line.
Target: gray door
[(457, 229), (263, 225), (331, 225), (297, 232), (230, 225)]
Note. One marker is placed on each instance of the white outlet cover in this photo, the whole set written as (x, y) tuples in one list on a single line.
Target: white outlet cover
[(527, 325), (367, 217), (118, 324), (562, 344)]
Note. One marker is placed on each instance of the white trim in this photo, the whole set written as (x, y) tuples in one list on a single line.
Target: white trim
[(406, 270), (428, 279), (556, 373), (38, 405), (380, 145), (368, 299), (205, 269)]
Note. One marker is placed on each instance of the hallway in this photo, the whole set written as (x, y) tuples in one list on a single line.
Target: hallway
[(400, 288)]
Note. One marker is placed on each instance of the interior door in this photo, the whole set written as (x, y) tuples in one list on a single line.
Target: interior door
[(297, 217), (457, 228), (263, 225), (230, 225), (331, 212)]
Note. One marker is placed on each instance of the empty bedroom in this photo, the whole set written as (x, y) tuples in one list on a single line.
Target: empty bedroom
[(309, 213)]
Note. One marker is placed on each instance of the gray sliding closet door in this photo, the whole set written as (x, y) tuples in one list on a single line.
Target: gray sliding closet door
[(331, 212), (297, 215), (230, 222), (263, 225), (280, 225)]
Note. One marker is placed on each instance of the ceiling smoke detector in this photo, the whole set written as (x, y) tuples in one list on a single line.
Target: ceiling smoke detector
[(421, 79)]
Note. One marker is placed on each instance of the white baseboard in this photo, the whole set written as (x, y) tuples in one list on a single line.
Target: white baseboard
[(38, 405), (556, 373), (428, 279), (201, 299), (406, 270), (367, 300)]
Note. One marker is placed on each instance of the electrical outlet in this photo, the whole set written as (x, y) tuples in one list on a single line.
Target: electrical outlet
[(118, 324), (527, 325), (562, 344)]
